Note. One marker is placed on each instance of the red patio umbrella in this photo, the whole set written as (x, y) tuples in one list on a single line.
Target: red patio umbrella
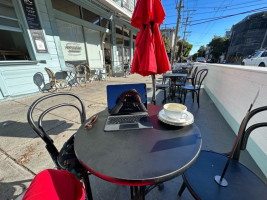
[(150, 56)]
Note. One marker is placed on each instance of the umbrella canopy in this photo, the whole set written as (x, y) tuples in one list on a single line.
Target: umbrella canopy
[(150, 56)]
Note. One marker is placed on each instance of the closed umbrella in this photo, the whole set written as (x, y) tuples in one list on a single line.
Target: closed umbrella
[(150, 56)]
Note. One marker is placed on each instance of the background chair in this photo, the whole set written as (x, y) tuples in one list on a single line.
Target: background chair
[(242, 182), (80, 74), (38, 79), (191, 78), (89, 76), (54, 82), (196, 85), (180, 81), (163, 86), (65, 158)]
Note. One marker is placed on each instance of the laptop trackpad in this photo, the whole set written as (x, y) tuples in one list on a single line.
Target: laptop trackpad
[(129, 126)]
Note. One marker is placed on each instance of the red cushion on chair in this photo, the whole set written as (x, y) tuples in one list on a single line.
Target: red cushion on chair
[(55, 185)]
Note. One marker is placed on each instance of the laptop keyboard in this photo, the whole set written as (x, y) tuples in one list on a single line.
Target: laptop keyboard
[(125, 119)]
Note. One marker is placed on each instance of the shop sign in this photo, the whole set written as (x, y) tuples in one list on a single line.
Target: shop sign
[(34, 25)]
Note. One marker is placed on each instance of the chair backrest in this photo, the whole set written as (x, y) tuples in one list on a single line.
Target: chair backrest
[(200, 76), (194, 72), (38, 79), (182, 71), (51, 75), (88, 71), (80, 69), (190, 69), (245, 132), (38, 127)]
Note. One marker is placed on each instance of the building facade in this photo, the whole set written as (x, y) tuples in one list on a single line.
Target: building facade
[(53, 33), (247, 36), (170, 33)]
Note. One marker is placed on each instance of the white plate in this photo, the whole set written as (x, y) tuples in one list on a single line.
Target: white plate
[(189, 119)]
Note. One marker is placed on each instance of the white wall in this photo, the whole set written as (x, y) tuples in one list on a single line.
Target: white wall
[(233, 88)]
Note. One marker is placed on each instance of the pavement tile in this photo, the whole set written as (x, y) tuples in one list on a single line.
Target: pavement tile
[(14, 179)]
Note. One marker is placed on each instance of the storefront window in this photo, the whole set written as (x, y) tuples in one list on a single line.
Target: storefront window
[(119, 29), (108, 38), (119, 39), (12, 43), (126, 32), (104, 23), (12, 46), (126, 43), (91, 17), (72, 42), (67, 7), (93, 45)]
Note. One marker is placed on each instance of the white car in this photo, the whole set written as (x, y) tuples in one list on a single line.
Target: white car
[(257, 59)]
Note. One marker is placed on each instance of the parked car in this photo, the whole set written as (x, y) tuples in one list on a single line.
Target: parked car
[(257, 59), (200, 59), (210, 60)]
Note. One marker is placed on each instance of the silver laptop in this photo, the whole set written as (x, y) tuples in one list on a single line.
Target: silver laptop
[(127, 106)]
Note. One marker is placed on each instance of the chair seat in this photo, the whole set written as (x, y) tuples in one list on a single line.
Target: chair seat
[(162, 86), (67, 158), (189, 87), (189, 77), (242, 183), (179, 84)]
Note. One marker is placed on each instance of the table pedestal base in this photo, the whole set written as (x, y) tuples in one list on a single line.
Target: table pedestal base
[(139, 192)]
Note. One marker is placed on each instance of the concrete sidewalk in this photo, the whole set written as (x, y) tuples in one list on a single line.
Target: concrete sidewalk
[(23, 153)]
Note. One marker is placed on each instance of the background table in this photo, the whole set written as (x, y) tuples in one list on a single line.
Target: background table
[(138, 157), (173, 77)]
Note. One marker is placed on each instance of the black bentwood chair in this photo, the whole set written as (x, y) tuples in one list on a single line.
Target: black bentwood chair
[(163, 86), (65, 158), (204, 179), (196, 85), (193, 75)]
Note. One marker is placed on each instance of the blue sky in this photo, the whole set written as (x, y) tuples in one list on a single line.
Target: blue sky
[(206, 10)]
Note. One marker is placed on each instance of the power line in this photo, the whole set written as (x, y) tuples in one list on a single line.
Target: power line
[(223, 17), (238, 4), (222, 10), (226, 16)]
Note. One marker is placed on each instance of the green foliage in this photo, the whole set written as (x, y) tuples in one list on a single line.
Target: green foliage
[(202, 51), (194, 56), (167, 42), (187, 47), (218, 45)]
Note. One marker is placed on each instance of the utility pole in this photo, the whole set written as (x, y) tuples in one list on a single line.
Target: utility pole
[(179, 8), (182, 48)]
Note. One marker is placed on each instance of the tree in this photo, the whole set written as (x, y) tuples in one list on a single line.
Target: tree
[(202, 51), (194, 56), (186, 48), (167, 42), (218, 46)]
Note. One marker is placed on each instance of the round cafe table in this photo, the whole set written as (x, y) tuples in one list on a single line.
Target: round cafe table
[(139, 157)]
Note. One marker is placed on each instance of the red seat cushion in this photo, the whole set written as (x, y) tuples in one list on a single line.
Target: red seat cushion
[(55, 185)]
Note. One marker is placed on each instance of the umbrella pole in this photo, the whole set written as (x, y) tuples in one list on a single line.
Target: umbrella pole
[(154, 89)]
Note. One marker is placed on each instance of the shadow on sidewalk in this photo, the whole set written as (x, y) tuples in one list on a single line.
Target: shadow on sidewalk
[(10, 190), (23, 130)]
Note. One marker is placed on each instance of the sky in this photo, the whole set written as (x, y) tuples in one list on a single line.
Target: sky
[(202, 26)]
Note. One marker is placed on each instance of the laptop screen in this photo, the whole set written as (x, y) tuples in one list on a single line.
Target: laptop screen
[(126, 98)]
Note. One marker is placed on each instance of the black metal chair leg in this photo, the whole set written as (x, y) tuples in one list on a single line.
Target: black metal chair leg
[(87, 185), (142, 192), (184, 95), (193, 96), (198, 98), (182, 188)]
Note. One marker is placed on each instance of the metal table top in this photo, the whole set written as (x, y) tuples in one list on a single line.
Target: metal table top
[(138, 157)]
